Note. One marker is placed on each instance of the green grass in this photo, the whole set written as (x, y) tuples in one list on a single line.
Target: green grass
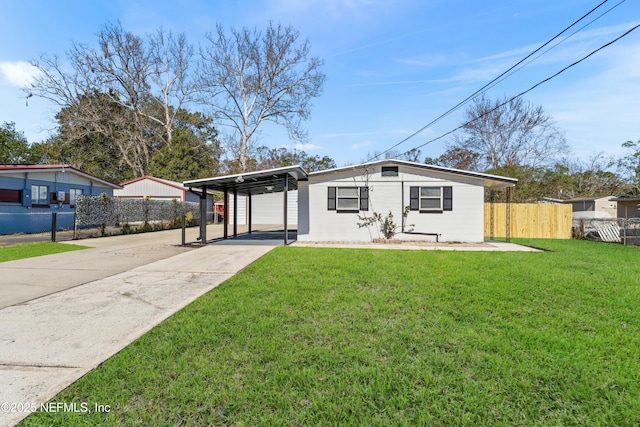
[(309, 336), (30, 250)]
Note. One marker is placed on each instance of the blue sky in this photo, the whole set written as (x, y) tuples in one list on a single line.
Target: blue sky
[(391, 66)]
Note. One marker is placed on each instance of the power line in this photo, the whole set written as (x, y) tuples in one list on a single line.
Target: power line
[(488, 84), (552, 47), (528, 90)]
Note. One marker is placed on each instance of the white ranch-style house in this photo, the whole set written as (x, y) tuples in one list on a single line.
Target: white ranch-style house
[(443, 204)]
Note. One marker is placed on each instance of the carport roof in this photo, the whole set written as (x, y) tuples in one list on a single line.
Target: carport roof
[(259, 182)]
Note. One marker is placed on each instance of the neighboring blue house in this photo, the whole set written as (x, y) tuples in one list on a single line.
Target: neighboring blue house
[(29, 193)]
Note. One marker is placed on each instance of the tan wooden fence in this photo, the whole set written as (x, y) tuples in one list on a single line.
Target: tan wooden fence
[(529, 220)]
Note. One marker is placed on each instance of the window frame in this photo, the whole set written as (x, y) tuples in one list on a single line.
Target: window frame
[(421, 198), (73, 194), (339, 198), (361, 199), (39, 201), (389, 171), (445, 198)]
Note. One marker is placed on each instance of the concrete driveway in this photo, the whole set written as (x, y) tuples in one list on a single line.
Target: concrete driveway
[(97, 302)]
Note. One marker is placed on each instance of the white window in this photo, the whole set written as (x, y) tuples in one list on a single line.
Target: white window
[(73, 193), (430, 198), (39, 195), (348, 198)]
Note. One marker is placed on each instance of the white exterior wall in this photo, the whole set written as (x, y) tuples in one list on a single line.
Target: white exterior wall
[(148, 187), (242, 209), (269, 208), (465, 223)]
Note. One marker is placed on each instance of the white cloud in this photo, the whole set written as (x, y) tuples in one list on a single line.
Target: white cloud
[(18, 74), (306, 147), (426, 60), (360, 145)]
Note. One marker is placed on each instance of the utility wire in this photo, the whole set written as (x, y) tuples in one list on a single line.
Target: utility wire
[(487, 85), (528, 90), (552, 47)]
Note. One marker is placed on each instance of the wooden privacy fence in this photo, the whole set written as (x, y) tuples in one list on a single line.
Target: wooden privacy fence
[(529, 220)]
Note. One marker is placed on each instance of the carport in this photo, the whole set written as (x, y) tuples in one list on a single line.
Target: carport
[(247, 184)]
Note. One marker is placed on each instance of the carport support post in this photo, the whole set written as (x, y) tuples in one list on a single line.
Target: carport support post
[(250, 213), (286, 190), (225, 213), (235, 212), (203, 216)]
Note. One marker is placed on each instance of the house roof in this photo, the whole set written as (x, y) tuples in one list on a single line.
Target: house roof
[(590, 199), (56, 168), (271, 180), (626, 199), (259, 182), (169, 183), (490, 181), (153, 178)]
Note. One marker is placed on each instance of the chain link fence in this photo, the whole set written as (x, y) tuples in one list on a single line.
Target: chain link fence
[(32, 225), (96, 216), (617, 230), (134, 215)]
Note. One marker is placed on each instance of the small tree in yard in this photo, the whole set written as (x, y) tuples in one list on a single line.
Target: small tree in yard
[(387, 226)]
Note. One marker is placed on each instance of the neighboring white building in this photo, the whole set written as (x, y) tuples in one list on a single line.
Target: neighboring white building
[(268, 209), (445, 204), (594, 207), (242, 209), (157, 188)]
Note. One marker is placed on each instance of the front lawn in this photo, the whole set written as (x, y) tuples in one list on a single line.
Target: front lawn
[(309, 336), (30, 250)]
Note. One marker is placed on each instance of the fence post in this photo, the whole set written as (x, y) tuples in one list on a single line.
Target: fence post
[(184, 229), (508, 219), (492, 197), (54, 223)]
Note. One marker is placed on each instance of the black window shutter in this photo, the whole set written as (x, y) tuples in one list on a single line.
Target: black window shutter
[(447, 198), (364, 198), (414, 198), (331, 201)]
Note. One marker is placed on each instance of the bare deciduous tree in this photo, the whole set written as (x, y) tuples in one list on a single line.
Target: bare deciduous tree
[(149, 79), (252, 77), (457, 157), (509, 133)]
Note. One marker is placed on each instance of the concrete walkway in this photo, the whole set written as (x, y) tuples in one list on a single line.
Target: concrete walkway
[(49, 342), (487, 246)]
